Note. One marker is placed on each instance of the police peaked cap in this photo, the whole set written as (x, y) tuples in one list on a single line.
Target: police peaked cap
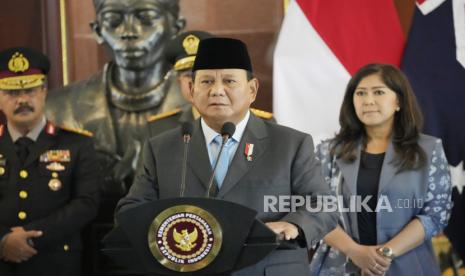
[(22, 68)]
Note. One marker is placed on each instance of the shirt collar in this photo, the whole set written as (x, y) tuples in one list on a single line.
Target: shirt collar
[(210, 134), (33, 134)]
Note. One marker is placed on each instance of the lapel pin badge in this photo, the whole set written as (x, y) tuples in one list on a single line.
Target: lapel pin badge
[(248, 151)]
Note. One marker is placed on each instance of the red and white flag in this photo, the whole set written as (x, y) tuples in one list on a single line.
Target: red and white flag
[(321, 44)]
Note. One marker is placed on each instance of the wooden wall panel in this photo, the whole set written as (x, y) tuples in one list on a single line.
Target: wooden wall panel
[(21, 24), (405, 10), (51, 39), (85, 54), (256, 22), (33, 24)]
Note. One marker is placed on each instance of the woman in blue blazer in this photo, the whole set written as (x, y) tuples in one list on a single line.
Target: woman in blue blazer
[(380, 158)]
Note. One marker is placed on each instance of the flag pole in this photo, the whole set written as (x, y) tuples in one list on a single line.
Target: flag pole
[(286, 5)]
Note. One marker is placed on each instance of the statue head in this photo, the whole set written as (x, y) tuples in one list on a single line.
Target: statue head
[(136, 31)]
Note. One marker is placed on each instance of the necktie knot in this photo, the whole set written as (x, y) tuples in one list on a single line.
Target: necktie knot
[(24, 141), (218, 140), (23, 144)]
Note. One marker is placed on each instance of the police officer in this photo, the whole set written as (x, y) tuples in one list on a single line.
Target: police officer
[(48, 178), (181, 55)]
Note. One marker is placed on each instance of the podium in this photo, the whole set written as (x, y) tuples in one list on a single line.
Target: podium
[(195, 236)]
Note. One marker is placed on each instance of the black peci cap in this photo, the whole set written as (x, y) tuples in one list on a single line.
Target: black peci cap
[(222, 53)]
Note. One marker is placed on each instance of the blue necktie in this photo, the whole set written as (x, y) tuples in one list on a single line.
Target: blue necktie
[(223, 162)]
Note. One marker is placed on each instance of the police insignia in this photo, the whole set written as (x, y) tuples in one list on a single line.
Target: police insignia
[(56, 156), (191, 44), (185, 238), (55, 166), (18, 63), (55, 184)]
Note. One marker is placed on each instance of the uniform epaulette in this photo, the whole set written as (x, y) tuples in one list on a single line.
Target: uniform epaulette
[(261, 113), (78, 131), (164, 115)]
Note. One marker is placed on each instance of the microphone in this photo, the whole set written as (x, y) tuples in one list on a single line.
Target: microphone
[(227, 132), (186, 129)]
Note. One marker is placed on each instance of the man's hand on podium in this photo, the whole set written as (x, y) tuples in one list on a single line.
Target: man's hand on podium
[(285, 230)]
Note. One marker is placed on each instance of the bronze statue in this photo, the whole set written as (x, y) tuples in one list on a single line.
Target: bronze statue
[(115, 103)]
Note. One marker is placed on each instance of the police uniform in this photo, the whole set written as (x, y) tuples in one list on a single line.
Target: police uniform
[(55, 188)]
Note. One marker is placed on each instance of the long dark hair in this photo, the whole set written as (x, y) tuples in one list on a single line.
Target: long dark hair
[(408, 120)]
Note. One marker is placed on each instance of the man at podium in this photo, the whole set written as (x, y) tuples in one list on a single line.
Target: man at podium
[(260, 159)]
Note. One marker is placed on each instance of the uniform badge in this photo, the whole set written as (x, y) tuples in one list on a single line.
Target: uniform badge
[(2, 165), (50, 129), (56, 156), (55, 184), (18, 63), (191, 44), (55, 166), (248, 151), (2, 161)]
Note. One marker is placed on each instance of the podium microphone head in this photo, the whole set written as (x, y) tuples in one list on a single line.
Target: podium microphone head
[(187, 128), (228, 129)]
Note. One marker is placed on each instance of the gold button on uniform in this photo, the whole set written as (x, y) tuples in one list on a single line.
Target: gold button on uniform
[(23, 174), (66, 247), (23, 194), (22, 215), (2, 171)]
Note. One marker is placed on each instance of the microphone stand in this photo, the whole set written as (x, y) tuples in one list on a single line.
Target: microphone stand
[(210, 182), (187, 139)]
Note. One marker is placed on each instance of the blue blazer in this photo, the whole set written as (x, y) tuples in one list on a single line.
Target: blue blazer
[(424, 194)]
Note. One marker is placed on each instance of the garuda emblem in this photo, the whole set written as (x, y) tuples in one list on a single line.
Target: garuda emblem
[(185, 240)]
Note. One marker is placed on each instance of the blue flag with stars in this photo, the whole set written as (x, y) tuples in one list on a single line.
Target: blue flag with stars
[(434, 62)]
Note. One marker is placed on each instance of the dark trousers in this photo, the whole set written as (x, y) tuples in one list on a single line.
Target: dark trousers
[(279, 263), (45, 264)]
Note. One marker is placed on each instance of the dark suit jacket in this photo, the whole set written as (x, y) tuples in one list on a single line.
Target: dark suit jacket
[(283, 164), (59, 214), (159, 126)]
